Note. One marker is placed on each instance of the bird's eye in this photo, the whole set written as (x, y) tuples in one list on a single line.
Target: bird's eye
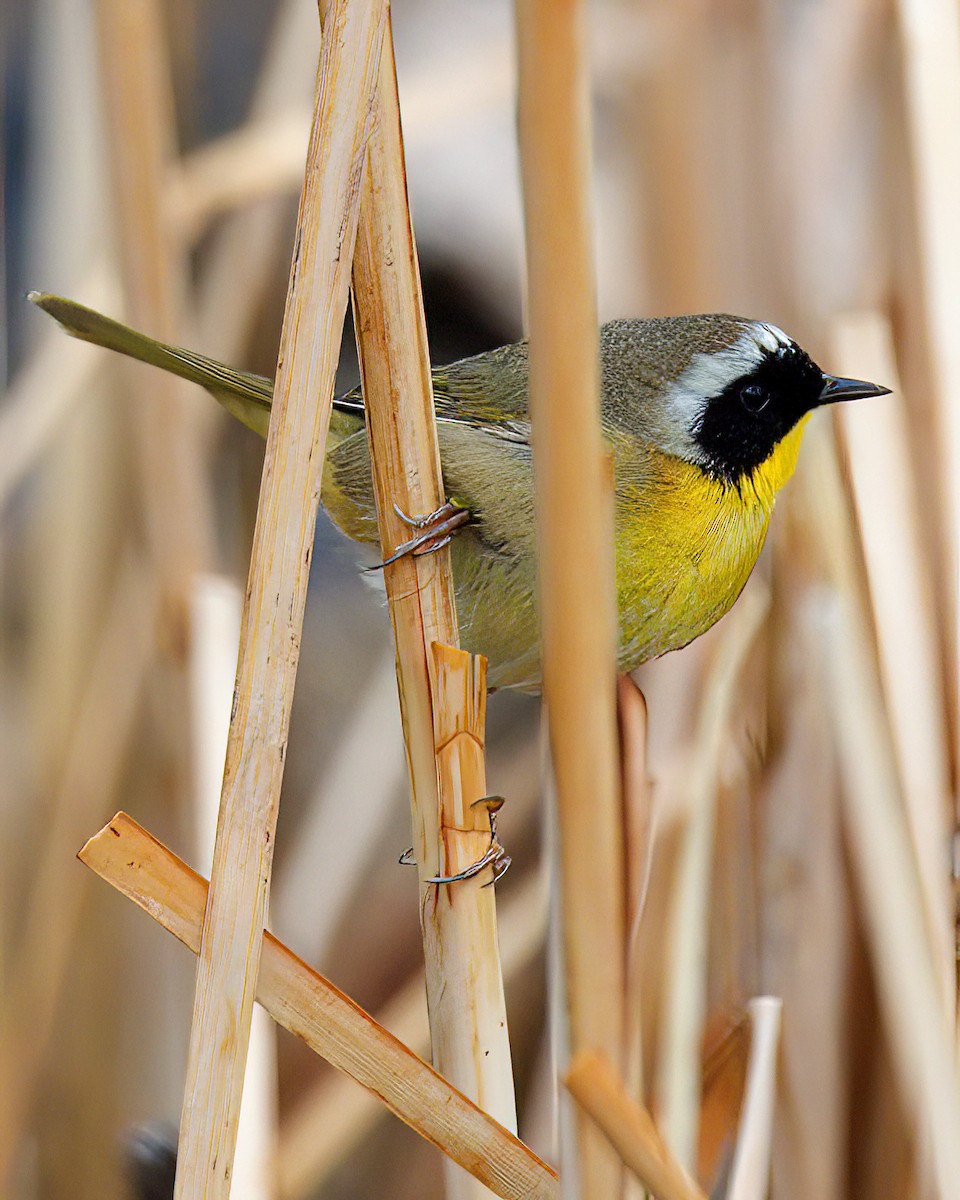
[(754, 397)]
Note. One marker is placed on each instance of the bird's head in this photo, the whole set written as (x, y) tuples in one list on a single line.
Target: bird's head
[(722, 391)]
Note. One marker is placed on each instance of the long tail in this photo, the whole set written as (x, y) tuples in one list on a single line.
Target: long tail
[(244, 395)]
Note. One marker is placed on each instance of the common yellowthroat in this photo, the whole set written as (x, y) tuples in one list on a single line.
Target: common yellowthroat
[(703, 416)]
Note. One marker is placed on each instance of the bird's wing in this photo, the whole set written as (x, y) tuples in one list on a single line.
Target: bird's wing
[(244, 395), (487, 392)]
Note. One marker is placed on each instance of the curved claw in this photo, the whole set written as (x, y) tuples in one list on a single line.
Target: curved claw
[(433, 531), (496, 856)]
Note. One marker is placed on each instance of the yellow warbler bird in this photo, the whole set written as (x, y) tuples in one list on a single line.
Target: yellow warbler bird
[(703, 416)]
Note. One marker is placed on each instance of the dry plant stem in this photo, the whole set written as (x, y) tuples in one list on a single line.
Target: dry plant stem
[(878, 439), (638, 834), (395, 366), (138, 109), (276, 592), (930, 32), (921, 1034), (335, 1117), (679, 1070), (99, 741), (234, 287), (574, 518), (750, 1177), (311, 1008), (629, 1128), (215, 606), (465, 995), (442, 690)]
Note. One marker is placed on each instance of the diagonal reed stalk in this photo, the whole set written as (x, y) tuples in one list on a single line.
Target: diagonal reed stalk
[(274, 603), (331, 1024)]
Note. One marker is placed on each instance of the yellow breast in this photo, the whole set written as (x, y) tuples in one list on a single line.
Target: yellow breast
[(686, 544)]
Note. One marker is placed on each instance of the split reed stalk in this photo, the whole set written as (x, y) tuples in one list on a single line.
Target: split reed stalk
[(575, 540), (275, 596), (311, 1008), (442, 690)]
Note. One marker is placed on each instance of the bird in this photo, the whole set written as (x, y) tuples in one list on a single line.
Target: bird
[(702, 416)]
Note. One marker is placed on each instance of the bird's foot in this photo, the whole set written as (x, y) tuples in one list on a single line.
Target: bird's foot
[(432, 531), (496, 856)]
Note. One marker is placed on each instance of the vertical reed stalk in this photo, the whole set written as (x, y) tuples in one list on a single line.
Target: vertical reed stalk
[(574, 510), (442, 691), (930, 36), (138, 108)]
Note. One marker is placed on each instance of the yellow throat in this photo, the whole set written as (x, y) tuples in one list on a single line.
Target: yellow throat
[(686, 544)]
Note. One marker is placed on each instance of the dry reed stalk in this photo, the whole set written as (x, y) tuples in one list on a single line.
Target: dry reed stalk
[(678, 238), (442, 690), (804, 909), (595, 1086), (95, 754), (750, 1175), (330, 1023), (930, 42), (276, 592), (236, 282), (884, 490), (638, 824), (139, 116), (921, 1034), (215, 607), (637, 796), (679, 1082), (331, 1120), (574, 509)]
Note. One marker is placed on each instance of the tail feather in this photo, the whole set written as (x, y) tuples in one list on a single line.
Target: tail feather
[(244, 395)]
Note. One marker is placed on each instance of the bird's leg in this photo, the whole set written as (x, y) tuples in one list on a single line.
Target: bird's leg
[(496, 857), (432, 531)]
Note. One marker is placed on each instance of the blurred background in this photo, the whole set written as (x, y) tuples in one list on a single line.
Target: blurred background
[(794, 162)]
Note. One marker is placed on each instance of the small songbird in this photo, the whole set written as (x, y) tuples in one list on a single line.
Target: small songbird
[(703, 417)]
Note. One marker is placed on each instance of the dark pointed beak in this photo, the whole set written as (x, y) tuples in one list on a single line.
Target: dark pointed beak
[(835, 388)]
